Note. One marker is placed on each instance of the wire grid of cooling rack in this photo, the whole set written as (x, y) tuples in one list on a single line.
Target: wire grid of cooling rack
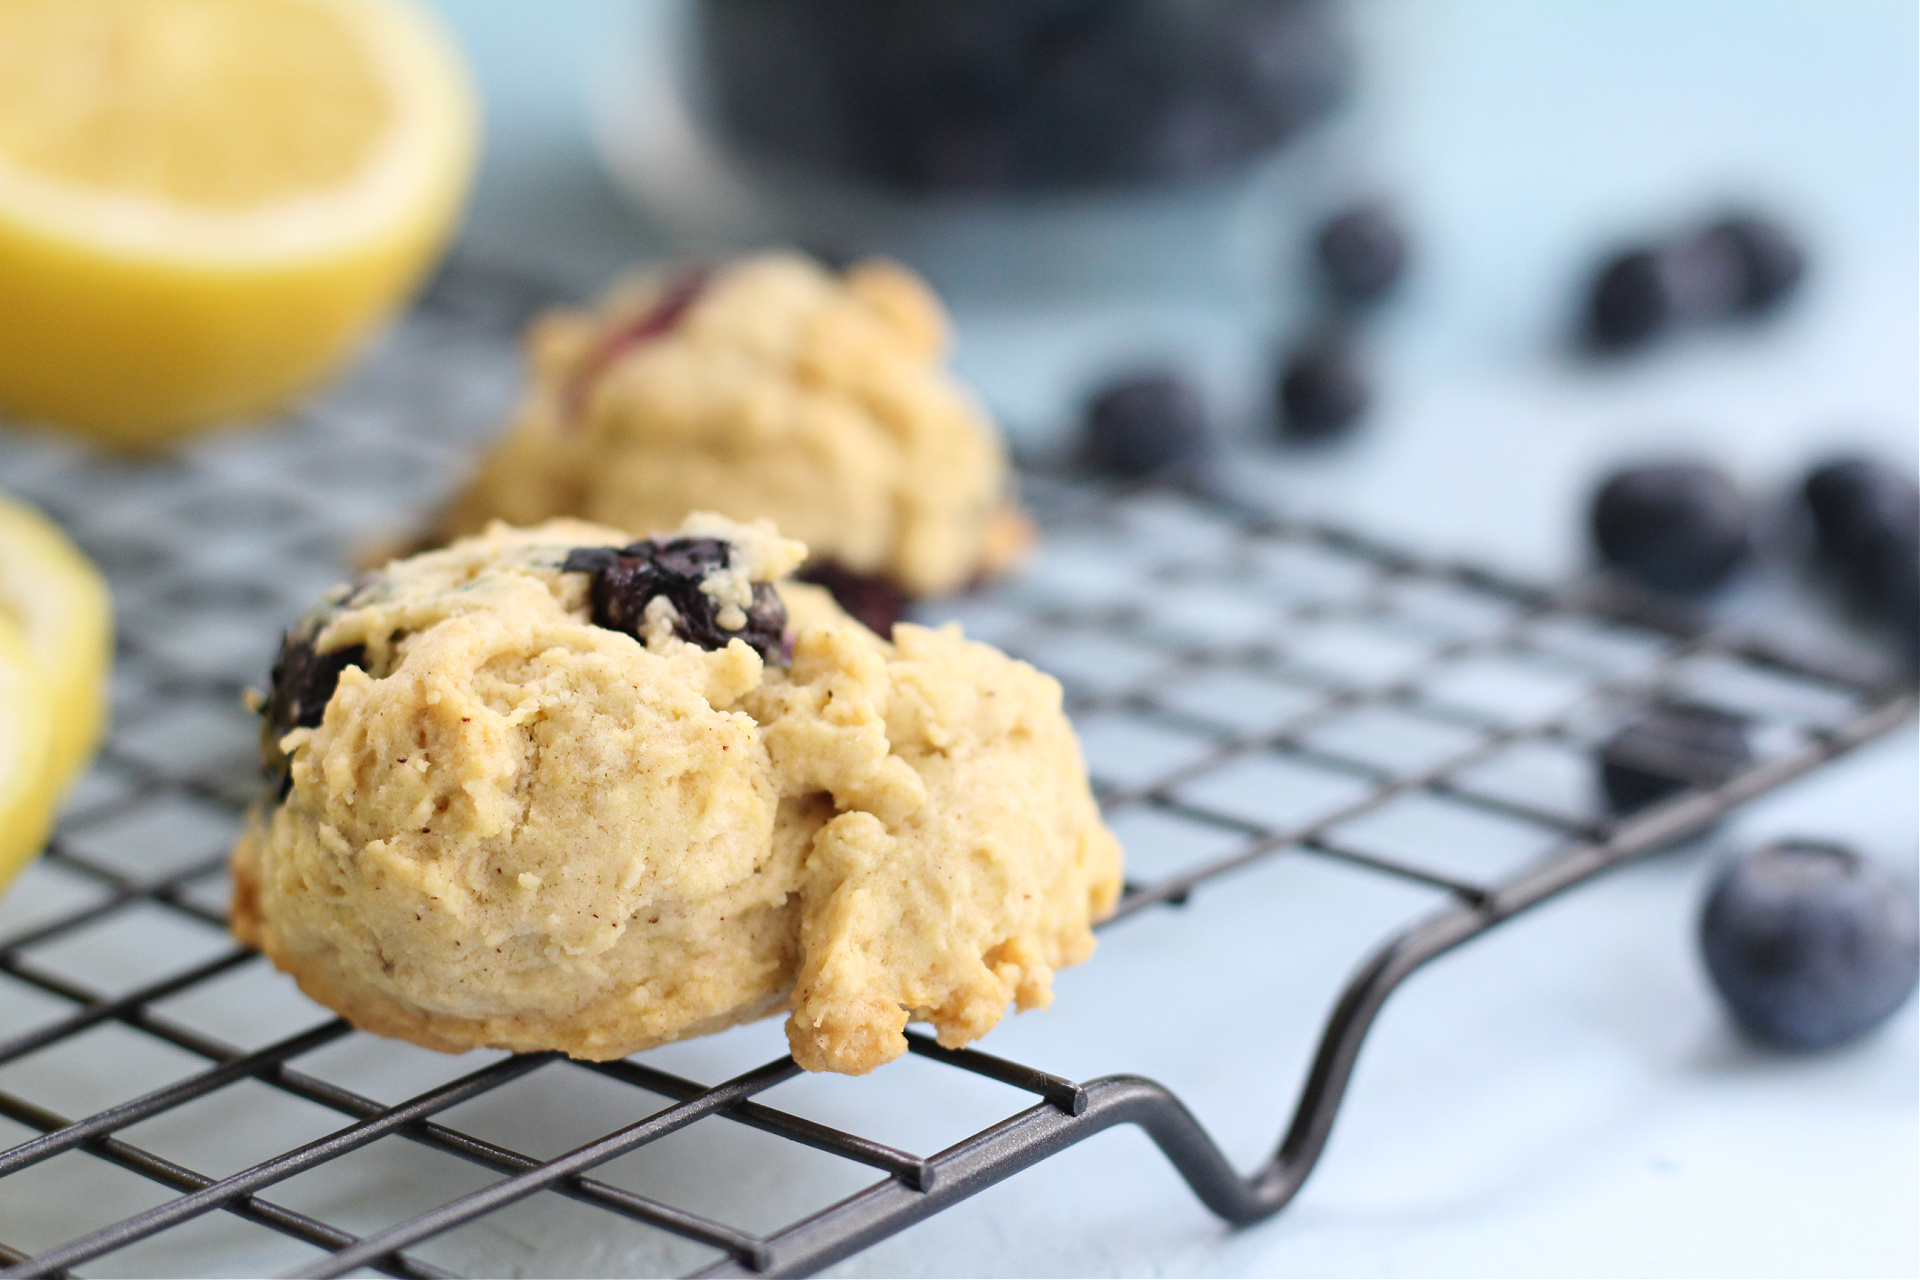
[(1284, 690)]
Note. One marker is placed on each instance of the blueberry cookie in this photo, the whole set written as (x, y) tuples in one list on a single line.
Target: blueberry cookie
[(765, 388), (552, 788)]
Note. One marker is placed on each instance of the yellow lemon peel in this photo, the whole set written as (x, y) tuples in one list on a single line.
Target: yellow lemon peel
[(26, 802)]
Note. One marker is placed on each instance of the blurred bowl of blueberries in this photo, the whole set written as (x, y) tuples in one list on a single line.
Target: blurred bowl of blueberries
[(999, 146), (1010, 97)]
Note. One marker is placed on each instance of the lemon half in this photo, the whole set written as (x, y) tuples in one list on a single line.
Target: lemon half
[(26, 802), (205, 204), (56, 601)]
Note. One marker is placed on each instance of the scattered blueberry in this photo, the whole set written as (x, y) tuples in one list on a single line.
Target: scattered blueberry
[(1866, 522), (1145, 423), (1770, 261), (626, 579), (1850, 498), (1902, 605), (303, 682), (1741, 266), (1885, 587), (1322, 393), (1644, 292), (1629, 303), (1362, 253), (1860, 507), (872, 600), (1676, 527), (1810, 944), (1670, 747)]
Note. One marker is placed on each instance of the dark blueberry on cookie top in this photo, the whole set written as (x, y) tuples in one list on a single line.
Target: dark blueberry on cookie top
[(873, 601), (693, 583), (303, 682)]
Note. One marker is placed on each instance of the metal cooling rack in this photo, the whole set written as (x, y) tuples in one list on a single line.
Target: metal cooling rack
[(1247, 689)]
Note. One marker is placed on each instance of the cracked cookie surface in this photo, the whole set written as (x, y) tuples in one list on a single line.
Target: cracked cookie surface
[(766, 387), (510, 826)]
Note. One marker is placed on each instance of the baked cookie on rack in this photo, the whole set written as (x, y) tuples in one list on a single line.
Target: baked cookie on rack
[(551, 788), (765, 388)]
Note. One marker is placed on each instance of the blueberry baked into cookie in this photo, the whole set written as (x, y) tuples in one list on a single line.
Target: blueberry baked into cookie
[(552, 788), (768, 387)]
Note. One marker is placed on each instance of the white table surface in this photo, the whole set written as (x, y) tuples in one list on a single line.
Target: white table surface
[(1564, 1097)]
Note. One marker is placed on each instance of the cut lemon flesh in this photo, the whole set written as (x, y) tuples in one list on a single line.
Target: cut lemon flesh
[(205, 204), (138, 102), (26, 802), (56, 604)]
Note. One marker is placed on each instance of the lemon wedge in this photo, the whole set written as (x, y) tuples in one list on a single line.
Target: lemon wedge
[(26, 802), (55, 604), (205, 205)]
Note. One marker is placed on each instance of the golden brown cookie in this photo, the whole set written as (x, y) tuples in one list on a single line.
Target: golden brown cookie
[(546, 789), (767, 387)]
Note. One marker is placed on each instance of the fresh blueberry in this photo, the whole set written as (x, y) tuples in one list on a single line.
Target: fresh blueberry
[(1886, 590), (872, 600), (1810, 944), (1902, 604), (1707, 276), (1743, 265), (1770, 262), (1323, 392), (1642, 293), (1866, 522), (303, 683), (1860, 508), (1670, 747), (1629, 303), (627, 579), (1362, 253), (1675, 527), (1853, 499), (1145, 423)]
